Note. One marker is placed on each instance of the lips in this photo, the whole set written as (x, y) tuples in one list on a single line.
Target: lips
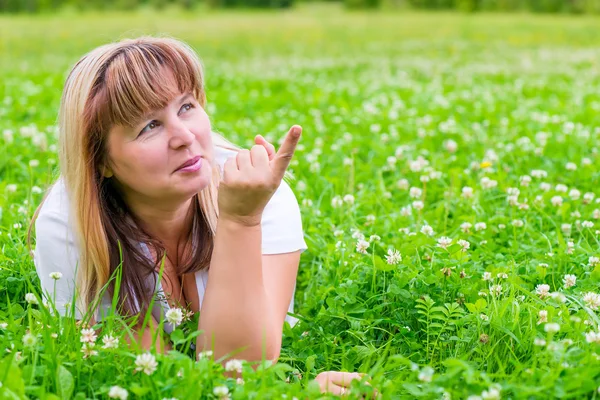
[(189, 162)]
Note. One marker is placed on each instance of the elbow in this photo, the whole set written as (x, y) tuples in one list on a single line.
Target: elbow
[(271, 348)]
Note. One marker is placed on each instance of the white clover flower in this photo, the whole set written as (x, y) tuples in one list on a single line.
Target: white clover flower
[(415, 192), (356, 234), (487, 183), (426, 374), (487, 276), (88, 350), (117, 392), (491, 394), (427, 230), (221, 391), (450, 145), (371, 218), (592, 300), (29, 340), (374, 238), (569, 280), (513, 191), (337, 202), (502, 275), (551, 327), (525, 180), (594, 261), (464, 245), (110, 342), (561, 188), (467, 192), (402, 184), (465, 227), (205, 354), (55, 275), (480, 226), (418, 205), (574, 194), (393, 257), (542, 290), (556, 201), (539, 342), (566, 228), (517, 223), (592, 337), (512, 200), (539, 173), (444, 242), (234, 365), (87, 336), (174, 316), (570, 166), (558, 296), (31, 299), (484, 317), (349, 199), (588, 197), (146, 362), (406, 211), (587, 224), (362, 246), (496, 290), (543, 316), (36, 190), (545, 187), (34, 163), (3, 325)]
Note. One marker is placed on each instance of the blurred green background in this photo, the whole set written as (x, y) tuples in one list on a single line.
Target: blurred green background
[(541, 6)]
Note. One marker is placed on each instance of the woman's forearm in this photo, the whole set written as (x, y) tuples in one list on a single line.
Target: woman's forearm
[(235, 312)]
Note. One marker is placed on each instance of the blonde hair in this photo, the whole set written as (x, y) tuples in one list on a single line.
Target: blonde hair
[(116, 84)]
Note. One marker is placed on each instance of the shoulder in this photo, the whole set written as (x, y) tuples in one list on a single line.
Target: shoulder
[(282, 223), (54, 212)]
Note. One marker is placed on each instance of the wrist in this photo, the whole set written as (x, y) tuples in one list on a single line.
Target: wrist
[(240, 222)]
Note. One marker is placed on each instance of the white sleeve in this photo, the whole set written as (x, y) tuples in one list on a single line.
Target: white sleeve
[(281, 223), (56, 251)]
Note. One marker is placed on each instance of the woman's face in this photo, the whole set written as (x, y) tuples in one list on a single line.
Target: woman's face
[(146, 159)]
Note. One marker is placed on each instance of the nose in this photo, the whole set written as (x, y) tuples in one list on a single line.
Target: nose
[(180, 135)]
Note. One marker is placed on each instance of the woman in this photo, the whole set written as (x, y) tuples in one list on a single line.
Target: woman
[(145, 181)]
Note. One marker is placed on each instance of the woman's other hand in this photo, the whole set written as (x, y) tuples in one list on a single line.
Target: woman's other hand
[(338, 383)]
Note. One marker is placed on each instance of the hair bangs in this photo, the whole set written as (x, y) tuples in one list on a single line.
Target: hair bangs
[(142, 78)]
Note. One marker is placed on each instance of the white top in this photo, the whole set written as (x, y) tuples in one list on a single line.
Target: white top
[(56, 250)]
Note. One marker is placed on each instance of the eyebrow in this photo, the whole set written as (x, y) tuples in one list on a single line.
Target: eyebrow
[(146, 116)]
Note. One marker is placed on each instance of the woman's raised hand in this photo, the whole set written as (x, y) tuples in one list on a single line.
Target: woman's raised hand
[(251, 177)]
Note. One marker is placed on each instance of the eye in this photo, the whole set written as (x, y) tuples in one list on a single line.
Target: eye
[(150, 126), (187, 106)]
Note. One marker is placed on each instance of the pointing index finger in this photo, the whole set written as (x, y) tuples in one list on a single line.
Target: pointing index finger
[(286, 151)]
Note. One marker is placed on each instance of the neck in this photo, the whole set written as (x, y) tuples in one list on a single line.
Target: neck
[(169, 223)]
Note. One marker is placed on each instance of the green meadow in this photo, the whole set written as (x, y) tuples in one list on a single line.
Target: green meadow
[(448, 179)]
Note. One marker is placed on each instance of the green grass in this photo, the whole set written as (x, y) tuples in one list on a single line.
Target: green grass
[(373, 92)]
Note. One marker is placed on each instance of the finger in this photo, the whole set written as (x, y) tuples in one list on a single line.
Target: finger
[(286, 151), (344, 378), (270, 148), (330, 387), (243, 159), (229, 168), (259, 157)]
